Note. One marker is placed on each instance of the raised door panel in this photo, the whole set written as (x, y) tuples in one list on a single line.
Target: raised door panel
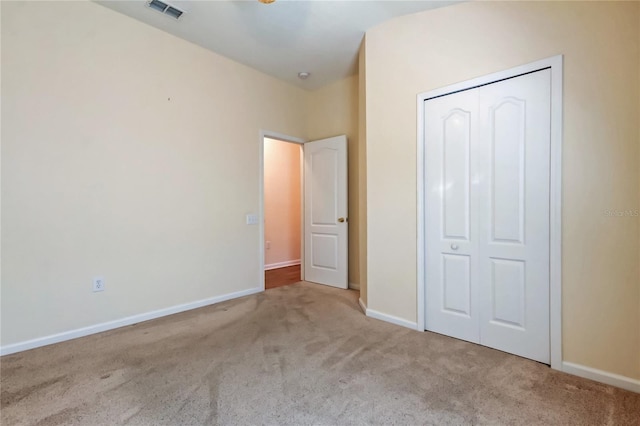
[(507, 121), (456, 284), (322, 168), (324, 251), (508, 293), (456, 135)]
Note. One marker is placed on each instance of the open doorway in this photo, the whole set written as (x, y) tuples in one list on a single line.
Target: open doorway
[(283, 194), (323, 217)]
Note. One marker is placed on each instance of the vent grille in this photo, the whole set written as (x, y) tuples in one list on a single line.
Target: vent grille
[(165, 8)]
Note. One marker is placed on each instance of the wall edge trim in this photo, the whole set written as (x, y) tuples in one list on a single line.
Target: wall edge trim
[(122, 322), (391, 319), (602, 376), (284, 264), (363, 306)]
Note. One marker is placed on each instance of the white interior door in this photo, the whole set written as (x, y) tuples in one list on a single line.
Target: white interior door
[(451, 124), (515, 135), (487, 215), (325, 212)]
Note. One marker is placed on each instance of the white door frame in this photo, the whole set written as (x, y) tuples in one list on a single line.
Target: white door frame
[(284, 138), (555, 63)]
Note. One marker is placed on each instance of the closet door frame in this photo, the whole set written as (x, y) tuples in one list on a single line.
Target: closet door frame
[(555, 64)]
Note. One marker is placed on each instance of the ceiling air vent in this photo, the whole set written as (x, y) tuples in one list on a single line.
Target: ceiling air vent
[(163, 7)]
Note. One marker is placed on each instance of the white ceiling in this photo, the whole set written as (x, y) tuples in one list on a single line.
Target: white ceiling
[(282, 38)]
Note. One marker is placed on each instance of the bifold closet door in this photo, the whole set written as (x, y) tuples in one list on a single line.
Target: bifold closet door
[(487, 215), (515, 137), (451, 134)]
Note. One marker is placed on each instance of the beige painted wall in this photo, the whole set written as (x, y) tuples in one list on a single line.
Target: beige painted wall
[(127, 153), (600, 41), (332, 111), (282, 208)]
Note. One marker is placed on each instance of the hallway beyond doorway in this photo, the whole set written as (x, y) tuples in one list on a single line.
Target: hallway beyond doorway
[(282, 276)]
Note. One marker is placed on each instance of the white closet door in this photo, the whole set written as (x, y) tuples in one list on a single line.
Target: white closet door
[(487, 215), (451, 130), (514, 215)]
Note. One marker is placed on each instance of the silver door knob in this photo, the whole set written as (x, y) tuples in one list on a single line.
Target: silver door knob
[(454, 247)]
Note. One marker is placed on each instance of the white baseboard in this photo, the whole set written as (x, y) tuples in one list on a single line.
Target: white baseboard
[(612, 379), (354, 286), (110, 325), (281, 264), (363, 306), (390, 318)]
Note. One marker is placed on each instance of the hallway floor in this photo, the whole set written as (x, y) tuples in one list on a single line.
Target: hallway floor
[(281, 276)]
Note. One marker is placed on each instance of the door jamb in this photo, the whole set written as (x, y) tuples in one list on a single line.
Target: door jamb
[(284, 138), (555, 63)]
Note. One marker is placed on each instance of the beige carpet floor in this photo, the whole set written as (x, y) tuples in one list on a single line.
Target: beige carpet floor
[(298, 355)]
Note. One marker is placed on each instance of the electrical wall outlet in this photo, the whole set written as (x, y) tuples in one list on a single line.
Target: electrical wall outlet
[(267, 244), (98, 284)]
